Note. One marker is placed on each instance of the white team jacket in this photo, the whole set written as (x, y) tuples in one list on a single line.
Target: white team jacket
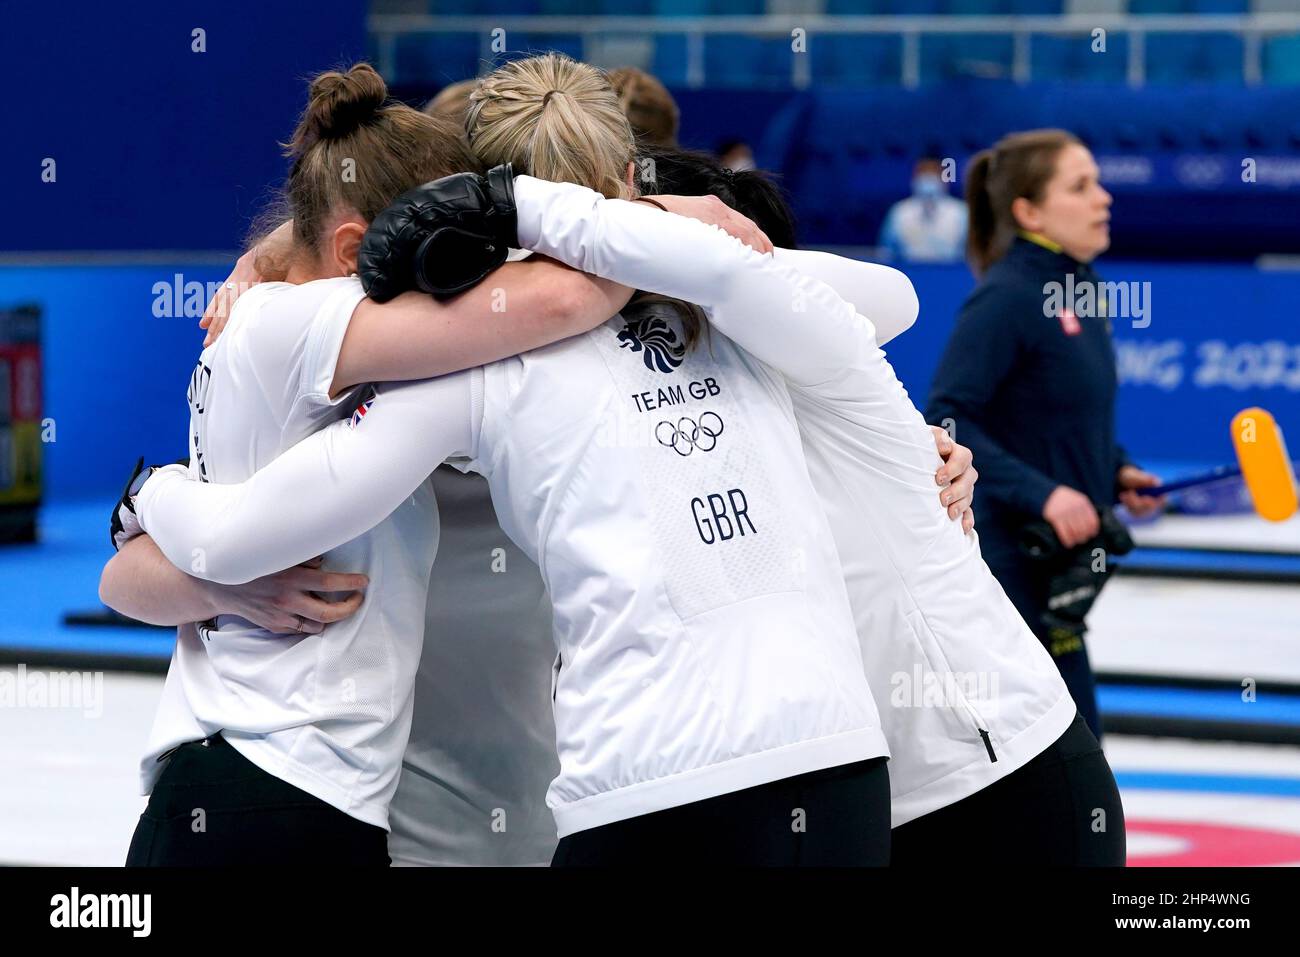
[(966, 693)]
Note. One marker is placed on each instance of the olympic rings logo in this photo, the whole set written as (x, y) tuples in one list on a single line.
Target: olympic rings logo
[(687, 435)]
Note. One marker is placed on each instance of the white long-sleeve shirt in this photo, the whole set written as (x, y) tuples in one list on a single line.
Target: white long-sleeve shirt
[(327, 713), (705, 636)]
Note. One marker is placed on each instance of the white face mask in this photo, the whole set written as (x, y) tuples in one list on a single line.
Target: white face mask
[(927, 185)]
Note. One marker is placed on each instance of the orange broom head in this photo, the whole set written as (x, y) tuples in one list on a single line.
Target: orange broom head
[(1265, 464)]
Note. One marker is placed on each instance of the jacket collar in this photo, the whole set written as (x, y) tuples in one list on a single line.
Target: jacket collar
[(1037, 248)]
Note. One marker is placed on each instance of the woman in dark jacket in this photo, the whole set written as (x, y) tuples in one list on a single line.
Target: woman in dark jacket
[(1028, 381)]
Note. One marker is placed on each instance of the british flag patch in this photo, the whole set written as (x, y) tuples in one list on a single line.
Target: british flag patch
[(362, 409), (1070, 322)]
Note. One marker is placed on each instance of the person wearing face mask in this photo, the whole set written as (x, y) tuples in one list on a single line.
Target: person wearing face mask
[(736, 155), (1028, 381), (928, 226)]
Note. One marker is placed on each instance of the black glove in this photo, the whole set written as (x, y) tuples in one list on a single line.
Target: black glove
[(442, 237), (1075, 575), (123, 525)]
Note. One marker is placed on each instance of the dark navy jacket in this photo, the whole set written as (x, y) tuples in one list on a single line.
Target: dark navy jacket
[(1033, 395)]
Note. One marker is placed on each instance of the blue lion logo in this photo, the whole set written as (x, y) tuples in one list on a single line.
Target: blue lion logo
[(655, 340)]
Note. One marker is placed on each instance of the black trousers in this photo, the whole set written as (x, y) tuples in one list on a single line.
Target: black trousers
[(212, 807), (1060, 809), (838, 817)]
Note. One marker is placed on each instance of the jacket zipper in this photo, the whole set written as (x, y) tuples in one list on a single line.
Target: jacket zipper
[(979, 726), (965, 703), (988, 746)]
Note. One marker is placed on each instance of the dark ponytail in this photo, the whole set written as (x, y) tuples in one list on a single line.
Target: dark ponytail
[(751, 193), (1019, 165), (762, 201), (981, 230)]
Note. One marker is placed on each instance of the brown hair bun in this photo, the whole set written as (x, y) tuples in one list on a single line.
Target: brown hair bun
[(338, 105)]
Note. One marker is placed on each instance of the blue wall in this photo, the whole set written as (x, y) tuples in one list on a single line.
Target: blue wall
[(156, 146), (116, 374), (1221, 338)]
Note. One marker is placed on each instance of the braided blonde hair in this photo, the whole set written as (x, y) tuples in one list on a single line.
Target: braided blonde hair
[(553, 118)]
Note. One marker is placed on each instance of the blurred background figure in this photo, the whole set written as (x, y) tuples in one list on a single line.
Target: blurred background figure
[(452, 101), (928, 226), (650, 108), (736, 155), (1031, 387)]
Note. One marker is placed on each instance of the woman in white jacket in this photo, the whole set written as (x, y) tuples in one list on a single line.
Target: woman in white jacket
[(986, 751)]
